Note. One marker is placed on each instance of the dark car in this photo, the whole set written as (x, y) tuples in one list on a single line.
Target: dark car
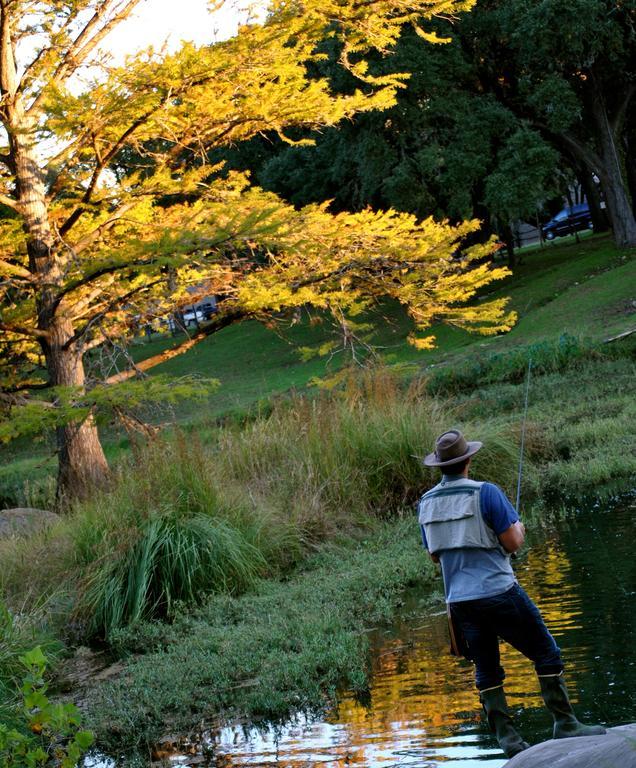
[(568, 221)]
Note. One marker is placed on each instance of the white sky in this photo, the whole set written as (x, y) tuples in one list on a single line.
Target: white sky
[(156, 21)]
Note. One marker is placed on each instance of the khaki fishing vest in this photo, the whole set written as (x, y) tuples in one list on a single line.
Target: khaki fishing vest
[(451, 517)]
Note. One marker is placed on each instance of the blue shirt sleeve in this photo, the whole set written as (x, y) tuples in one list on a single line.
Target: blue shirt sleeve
[(424, 542), (496, 509)]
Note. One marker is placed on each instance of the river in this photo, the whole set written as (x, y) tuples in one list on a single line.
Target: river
[(422, 710)]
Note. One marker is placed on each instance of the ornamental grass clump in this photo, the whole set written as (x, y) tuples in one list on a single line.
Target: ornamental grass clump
[(165, 535)]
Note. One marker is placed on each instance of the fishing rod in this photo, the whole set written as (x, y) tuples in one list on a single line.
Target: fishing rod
[(523, 434)]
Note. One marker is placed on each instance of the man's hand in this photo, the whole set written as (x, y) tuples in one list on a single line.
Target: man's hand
[(433, 557), (513, 538)]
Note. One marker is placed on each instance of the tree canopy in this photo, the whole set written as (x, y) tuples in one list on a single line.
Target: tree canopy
[(115, 213)]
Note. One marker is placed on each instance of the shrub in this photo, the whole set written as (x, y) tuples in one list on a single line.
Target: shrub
[(17, 637), (46, 733), (512, 366)]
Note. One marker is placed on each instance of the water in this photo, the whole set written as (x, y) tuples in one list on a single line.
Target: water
[(423, 710)]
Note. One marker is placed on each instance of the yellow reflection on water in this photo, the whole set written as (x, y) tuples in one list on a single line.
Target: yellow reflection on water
[(424, 709)]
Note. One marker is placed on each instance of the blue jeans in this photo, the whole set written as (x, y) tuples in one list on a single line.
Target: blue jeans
[(513, 617)]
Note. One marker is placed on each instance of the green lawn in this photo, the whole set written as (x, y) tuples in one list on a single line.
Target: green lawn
[(586, 289)]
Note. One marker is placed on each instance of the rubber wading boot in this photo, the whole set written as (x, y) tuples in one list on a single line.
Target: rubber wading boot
[(494, 703), (555, 696)]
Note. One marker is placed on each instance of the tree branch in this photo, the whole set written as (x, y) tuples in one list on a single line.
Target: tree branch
[(16, 269), (24, 330), (85, 241), (220, 322), (86, 42), (108, 308), (575, 147), (101, 164), (10, 203), (619, 117), (26, 386)]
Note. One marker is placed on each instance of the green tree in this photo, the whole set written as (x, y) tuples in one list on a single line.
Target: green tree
[(88, 247), (568, 70), (446, 148)]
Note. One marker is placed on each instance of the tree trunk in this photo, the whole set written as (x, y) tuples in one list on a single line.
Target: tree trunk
[(81, 460), (593, 197), (82, 465), (612, 175), (509, 240)]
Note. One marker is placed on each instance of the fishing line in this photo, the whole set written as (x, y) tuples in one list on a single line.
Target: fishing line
[(523, 434)]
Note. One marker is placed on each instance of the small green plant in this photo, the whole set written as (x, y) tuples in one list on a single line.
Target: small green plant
[(48, 732), (511, 366)]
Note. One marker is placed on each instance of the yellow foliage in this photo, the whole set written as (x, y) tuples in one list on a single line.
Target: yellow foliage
[(127, 244)]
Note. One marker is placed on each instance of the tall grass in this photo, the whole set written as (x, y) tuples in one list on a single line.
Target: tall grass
[(183, 520), (167, 533), (338, 461), (511, 366)]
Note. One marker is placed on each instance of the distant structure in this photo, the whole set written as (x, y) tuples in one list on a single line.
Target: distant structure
[(192, 315)]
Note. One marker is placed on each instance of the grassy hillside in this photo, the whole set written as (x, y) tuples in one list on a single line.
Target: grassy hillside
[(586, 289), (583, 289)]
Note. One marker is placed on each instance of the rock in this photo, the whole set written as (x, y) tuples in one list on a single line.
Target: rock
[(615, 749), (23, 521)]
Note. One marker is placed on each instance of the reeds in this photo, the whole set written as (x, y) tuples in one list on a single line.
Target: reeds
[(184, 520)]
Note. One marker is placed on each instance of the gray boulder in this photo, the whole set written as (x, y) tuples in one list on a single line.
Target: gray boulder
[(23, 521), (615, 749)]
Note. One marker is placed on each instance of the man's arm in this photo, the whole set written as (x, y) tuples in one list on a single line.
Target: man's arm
[(502, 518), (512, 539)]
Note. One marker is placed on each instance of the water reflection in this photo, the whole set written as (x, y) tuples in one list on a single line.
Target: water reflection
[(423, 710)]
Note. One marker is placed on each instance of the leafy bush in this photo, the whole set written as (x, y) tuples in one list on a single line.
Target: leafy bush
[(17, 636), (512, 366), (47, 733)]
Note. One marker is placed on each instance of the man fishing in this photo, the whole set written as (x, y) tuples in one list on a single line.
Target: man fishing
[(471, 529)]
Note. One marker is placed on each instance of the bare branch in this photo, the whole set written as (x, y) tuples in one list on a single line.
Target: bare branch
[(17, 399), (220, 322), (108, 308), (90, 238), (10, 202), (86, 41)]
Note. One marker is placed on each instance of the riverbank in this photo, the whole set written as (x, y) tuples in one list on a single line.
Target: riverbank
[(313, 506), (234, 568), (285, 647)]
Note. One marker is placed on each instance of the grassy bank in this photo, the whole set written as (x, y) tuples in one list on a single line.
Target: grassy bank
[(284, 647), (236, 564), (185, 517)]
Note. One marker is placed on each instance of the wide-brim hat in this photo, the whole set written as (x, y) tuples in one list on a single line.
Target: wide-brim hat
[(451, 448)]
